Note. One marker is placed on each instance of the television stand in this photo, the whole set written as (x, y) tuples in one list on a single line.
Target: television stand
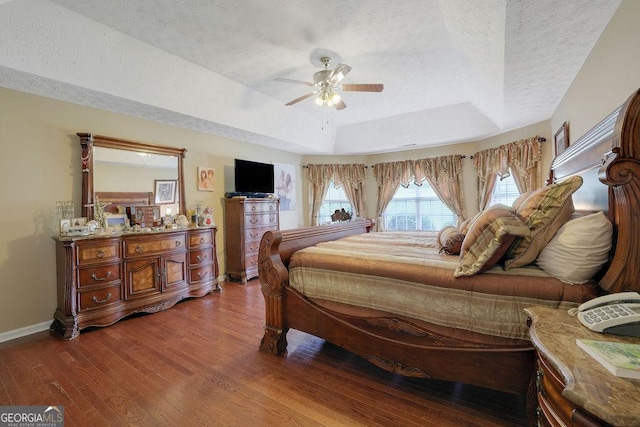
[(245, 194)]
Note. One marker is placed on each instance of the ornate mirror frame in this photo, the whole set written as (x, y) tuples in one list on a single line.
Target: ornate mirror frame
[(88, 141)]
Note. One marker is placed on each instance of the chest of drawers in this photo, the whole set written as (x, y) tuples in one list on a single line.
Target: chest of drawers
[(102, 279), (246, 220)]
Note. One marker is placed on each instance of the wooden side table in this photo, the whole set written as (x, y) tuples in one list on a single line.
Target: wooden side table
[(573, 389)]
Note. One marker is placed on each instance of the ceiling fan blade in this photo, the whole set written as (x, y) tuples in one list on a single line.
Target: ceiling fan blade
[(363, 87), (298, 82), (340, 105), (302, 98), (338, 73)]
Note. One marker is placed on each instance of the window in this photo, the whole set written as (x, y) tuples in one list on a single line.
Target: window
[(335, 199), (504, 192), (417, 208)]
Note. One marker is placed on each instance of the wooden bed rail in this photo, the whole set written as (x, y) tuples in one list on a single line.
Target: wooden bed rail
[(276, 248)]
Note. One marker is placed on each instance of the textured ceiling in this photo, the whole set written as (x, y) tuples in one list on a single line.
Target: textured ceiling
[(453, 70)]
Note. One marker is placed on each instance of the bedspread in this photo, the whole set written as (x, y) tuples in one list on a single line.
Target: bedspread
[(403, 273)]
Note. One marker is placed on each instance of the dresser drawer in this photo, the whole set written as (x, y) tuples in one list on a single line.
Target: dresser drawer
[(102, 252), (201, 256), (140, 247), (251, 261), (199, 274), (251, 248), (550, 388), (98, 298), (260, 206), (101, 275), (261, 220), (255, 234), (200, 238)]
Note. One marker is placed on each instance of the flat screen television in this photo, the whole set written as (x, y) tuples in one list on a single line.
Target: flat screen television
[(253, 177)]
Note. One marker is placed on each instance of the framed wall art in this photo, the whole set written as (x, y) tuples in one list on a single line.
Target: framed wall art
[(165, 191), (206, 178), (561, 139)]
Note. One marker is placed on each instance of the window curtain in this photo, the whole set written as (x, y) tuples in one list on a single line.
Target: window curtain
[(444, 175), (524, 161), (389, 177), (351, 177), (320, 177), (522, 158), (352, 180)]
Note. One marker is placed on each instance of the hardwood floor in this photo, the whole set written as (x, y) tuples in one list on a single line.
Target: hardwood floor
[(159, 369)]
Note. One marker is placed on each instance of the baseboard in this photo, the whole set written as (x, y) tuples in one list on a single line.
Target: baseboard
[(23, 332)]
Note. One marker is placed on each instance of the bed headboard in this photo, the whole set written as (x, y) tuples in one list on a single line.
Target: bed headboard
[(120, 198), (609, 154)]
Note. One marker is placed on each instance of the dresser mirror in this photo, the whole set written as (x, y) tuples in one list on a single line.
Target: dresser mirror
[(126, 172)]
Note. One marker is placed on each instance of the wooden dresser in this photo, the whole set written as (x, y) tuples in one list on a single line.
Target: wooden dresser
[(102, 279), (245, 221), (572, 388)]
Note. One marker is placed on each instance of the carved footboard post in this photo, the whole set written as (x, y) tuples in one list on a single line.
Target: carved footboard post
[(273, 277)]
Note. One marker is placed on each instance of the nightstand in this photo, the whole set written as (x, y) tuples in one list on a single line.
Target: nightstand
[(572, 388)]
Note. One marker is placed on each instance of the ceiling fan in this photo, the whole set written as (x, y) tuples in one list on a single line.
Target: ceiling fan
[(327, 82)]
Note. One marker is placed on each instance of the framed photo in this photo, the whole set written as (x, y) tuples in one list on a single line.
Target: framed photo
[(206, 179), (165, 191), (78, 222), (116, 220), (65, 224), (561, 139)]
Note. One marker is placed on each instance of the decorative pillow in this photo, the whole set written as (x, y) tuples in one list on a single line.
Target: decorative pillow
[(544, 212), (518, 202), (579, 249), (450, 240), (488, 239), (466, 224)]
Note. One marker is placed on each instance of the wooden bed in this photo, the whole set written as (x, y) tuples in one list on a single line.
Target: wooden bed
[(609, 154)]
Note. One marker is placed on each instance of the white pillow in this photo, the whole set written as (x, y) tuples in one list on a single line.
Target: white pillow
[(579, 249)]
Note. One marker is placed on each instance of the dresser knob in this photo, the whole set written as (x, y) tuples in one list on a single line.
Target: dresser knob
[(178, 243), (100, 253), (202, 240), (138, 249), (101, 301), (201, 258), (202, 276)]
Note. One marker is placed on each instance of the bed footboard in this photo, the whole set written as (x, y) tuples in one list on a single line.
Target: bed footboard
[(276, 248)]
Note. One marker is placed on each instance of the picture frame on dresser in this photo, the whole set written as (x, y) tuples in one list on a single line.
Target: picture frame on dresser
[(165, 191)]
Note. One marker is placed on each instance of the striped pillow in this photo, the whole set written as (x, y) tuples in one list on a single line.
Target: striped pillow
[(488, 239), (544, 212)]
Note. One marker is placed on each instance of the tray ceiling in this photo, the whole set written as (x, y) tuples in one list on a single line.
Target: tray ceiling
[(453, 70)]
